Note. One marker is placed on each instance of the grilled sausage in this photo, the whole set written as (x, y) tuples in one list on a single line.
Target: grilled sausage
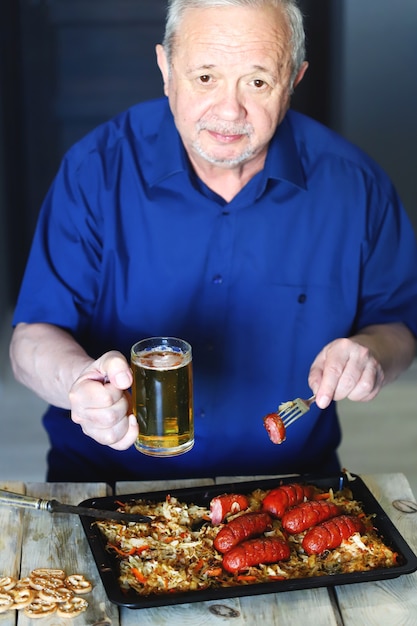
[(227, 503), (329, 535), (243, 527), (308, 514), (255, 552), (278, 500), (275, 427)]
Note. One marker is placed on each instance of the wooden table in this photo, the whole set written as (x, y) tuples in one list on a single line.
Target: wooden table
[(31, 539)]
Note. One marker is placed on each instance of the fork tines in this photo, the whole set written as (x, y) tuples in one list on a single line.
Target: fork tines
[(291, 411)]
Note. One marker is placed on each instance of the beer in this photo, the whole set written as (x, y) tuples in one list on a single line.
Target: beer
[(162, 396)]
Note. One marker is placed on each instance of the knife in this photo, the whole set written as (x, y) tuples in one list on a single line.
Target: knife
[(53, 506)]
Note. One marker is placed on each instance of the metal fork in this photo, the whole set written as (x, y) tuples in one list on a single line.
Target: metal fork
[(291, 411)]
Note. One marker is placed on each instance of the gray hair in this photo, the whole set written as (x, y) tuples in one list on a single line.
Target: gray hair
[(177, 8)]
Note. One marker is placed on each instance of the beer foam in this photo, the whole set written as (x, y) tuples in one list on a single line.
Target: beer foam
[(164, 360)]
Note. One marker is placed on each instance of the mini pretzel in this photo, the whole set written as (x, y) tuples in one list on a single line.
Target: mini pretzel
[(6, 602), (46, 572), (78, 583), (72, 608), (22, 583), (62, 594), (22, 597), (45, 582), (39, 608), (7, 583)]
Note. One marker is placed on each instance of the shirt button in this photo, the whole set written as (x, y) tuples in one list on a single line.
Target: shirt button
[(202, 413), (302, 298), (218, 279)]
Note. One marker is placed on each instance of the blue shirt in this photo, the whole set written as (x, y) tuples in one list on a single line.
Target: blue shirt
[(131, 244)]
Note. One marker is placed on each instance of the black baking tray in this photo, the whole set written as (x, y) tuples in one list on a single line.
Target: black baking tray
[(107, 564)]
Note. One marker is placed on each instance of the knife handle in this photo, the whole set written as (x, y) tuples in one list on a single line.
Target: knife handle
[(27, 502)]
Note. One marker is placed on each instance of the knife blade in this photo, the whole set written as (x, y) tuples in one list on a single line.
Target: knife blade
[(54, 506)]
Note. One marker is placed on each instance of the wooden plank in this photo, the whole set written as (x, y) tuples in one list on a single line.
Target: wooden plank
[(392, 601), (223, 612), (280, 609), (308, 606), (58, 541), (10, 543)]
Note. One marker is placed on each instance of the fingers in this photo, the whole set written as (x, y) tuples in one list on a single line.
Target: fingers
[(119, 436), (345, 369), (117, 369), (130, 435), (111, 367), (101, 403)]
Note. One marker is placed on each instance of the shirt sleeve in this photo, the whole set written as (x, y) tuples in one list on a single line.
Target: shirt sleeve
[(61, 279), (389, 267)]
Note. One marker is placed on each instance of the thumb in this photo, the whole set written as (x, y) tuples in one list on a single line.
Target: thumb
[(116, 369), (316, 373)]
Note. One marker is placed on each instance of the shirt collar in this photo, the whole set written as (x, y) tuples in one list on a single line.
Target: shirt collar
[(169, 154), (282, 162)]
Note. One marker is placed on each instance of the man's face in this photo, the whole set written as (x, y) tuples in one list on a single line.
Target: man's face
[(229, 83)]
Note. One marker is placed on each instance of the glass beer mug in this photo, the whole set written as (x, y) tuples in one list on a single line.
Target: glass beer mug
[(162, 395)]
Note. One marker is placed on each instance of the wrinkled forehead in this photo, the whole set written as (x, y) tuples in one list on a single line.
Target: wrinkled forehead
[(233, 32)]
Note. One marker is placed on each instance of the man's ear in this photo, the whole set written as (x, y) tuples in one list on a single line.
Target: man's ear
[(300, 74), (161, 59)]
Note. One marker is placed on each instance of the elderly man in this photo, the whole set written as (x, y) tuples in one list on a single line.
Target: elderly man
[(216, 214)]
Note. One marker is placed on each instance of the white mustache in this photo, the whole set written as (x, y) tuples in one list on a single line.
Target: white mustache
[(225, 129)]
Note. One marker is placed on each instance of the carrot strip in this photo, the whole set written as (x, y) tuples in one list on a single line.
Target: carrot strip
[(214, 571), (140, 550), (122, 552), (198, 565), (138, 575)]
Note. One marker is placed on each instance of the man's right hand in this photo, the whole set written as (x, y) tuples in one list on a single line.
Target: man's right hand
[(101, 403)]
